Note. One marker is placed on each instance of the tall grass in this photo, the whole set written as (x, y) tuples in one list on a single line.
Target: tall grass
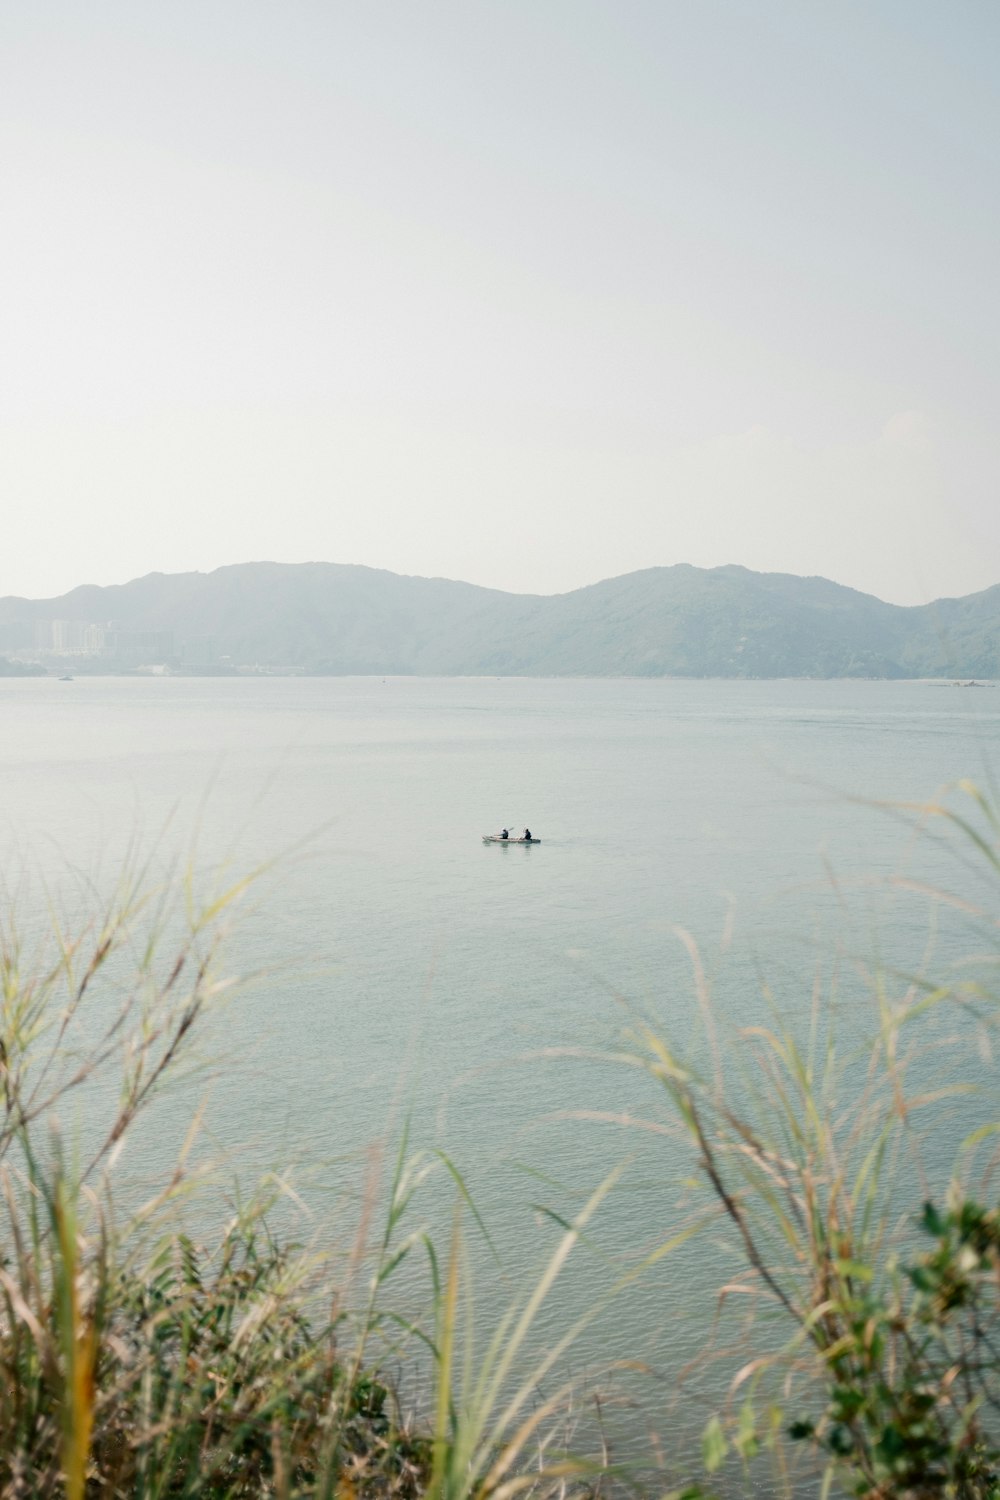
[(136, 1361), (877, 1290)]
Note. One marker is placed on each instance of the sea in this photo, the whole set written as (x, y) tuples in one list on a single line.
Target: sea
[(715, 857)]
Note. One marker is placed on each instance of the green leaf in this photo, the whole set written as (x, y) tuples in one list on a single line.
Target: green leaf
[(931, 1221), (713, 1445), (891, 1444), (922, 1279), (847, 1401), (745, 1440), (855, 1268), (840, 1440)]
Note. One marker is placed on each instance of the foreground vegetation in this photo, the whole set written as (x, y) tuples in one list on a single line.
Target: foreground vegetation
[(136, 1360)]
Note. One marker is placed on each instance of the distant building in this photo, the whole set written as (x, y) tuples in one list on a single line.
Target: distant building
[(96, 639), (135, 646), (100, 639)]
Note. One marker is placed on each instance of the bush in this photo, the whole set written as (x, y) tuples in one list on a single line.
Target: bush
[(134, 1361), (888, 1369)]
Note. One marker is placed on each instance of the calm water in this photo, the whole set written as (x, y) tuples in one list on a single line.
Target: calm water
[(402, 959)]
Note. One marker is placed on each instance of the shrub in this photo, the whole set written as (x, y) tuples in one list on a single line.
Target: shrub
[(888, 1368)]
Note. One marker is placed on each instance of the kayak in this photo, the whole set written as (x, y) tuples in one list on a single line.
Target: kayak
[(494, 838)]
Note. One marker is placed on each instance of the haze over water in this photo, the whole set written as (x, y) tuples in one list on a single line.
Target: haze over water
[(401, 957)]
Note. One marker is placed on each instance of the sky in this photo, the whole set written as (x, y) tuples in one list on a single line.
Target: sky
[(528, 293)]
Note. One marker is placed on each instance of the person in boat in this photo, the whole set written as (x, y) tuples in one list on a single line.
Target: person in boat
[(504, 834), (527, 835)]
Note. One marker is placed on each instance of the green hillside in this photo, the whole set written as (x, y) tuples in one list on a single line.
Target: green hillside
[(678, 621)]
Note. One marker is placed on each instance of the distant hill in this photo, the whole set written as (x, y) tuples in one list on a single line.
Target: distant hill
[(20, 669), (332, 618)]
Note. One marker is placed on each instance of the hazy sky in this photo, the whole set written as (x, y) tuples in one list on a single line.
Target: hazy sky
[(528, 293)]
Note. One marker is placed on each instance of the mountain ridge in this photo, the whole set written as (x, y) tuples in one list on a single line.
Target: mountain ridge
[(346, 618)]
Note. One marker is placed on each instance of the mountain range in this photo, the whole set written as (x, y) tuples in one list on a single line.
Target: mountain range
[(670, 621)]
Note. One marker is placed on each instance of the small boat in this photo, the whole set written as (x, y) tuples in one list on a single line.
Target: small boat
[(65, 679), (496, 838)]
